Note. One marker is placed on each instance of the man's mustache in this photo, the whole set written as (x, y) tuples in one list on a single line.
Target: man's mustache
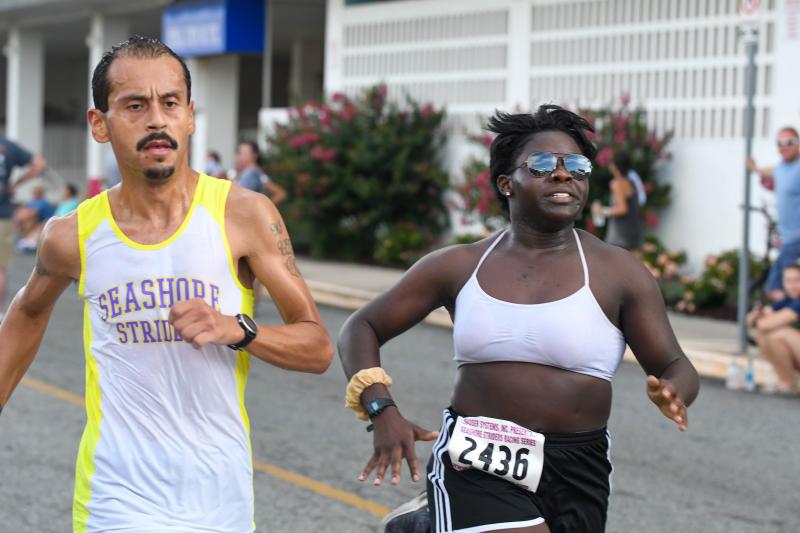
[(156, 137)]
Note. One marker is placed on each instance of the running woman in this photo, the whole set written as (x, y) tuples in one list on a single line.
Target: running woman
[(542, 313), (165, 263)]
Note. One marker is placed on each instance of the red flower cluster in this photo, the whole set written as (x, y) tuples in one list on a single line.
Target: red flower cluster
[(303, 139), (323, 154)]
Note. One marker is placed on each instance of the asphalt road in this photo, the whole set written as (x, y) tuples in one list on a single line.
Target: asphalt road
[(737, 469)]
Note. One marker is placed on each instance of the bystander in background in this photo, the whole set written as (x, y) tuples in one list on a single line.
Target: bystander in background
[(69, 202), (214, 165), (777, 333), (29, 219), (624, 223), (12, 156), (250, 176), (786, 176)]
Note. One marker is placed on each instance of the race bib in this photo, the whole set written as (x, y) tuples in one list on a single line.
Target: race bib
[(498, 447)]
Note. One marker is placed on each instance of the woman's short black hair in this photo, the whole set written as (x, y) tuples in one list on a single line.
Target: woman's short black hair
[(138, 47), (515, 129)]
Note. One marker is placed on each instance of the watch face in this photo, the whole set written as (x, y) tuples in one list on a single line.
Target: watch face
[(249, 323)]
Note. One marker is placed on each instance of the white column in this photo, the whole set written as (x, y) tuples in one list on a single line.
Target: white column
[(334, 44), (103, 34), (518, 58), (266, 57), (215, 91), (25, 88), (296, 73)]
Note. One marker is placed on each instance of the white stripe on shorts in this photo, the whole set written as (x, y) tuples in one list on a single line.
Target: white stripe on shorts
[(611, 472), (504, 525), (436, 477)]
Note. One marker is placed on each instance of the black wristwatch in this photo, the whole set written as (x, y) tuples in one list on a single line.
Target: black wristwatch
[(250, 331), (376, 406)]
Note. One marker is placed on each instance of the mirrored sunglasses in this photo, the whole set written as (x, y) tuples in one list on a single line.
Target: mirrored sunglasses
[(787, 142), (542, 164)]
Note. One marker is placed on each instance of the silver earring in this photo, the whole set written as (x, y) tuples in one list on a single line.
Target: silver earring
[(507, 193)]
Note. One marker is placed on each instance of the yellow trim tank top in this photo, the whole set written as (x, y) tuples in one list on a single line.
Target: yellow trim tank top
[(166, 446)]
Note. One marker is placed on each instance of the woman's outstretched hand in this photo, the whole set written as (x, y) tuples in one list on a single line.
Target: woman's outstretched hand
[(665, 396), (394, 441)]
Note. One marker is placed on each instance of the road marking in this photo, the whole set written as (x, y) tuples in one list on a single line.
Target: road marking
[(61, 394), (320, 488), (275, 471)]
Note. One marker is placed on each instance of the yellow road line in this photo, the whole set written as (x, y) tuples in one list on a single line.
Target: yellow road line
[(320, 488), (307, 483), (61, 394)]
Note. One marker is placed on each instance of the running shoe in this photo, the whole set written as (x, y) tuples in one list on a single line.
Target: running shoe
[(411, 517)]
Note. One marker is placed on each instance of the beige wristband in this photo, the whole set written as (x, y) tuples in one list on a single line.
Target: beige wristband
[(360, 381)]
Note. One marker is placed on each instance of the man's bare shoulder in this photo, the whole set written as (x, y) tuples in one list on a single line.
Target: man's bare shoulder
[(244, 207), (59, 252)]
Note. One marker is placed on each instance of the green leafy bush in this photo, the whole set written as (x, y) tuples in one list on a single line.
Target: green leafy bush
[(363, 177), (718, 285)]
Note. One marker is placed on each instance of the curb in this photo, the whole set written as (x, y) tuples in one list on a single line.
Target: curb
[(709, 363)]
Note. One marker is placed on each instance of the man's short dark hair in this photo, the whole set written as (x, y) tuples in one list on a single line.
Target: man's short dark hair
[(140, 48), (73, 190), (790, 130), (254, 147), (515, 129)]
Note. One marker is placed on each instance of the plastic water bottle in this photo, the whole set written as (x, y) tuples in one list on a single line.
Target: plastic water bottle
[(597, 218), (734, 379), (750, 376)]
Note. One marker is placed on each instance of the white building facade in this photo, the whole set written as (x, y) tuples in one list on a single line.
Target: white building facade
[(682, 60)]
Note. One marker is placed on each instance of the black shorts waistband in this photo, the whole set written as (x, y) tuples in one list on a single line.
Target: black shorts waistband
[(564, 440)]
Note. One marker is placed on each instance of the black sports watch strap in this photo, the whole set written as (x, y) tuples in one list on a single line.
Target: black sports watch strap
[(377, 405), (250, 331)]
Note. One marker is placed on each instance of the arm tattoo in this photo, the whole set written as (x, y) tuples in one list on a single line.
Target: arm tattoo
[(276, 228), (291, 266), (40, 269), (285, 247)]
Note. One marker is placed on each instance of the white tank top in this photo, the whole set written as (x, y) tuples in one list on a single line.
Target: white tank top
[(167, 442), (572, 333)]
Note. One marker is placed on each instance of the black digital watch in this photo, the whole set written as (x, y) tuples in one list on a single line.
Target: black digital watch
[(250, 329)]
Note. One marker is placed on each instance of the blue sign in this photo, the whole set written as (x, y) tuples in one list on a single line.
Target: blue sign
[(214, 27)]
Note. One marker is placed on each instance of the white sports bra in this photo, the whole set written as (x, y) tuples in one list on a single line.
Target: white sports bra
[(572, 333)]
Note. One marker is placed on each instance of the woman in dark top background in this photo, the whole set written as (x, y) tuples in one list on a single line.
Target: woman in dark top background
[(624, 223)]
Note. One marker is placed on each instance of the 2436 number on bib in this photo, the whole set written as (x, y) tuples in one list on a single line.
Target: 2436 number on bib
[(500, 448)]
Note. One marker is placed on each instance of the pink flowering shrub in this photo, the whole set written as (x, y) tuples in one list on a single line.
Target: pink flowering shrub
[(624, 129), (363, 177), (718, 285)]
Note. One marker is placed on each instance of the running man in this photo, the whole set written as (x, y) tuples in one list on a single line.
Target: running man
[(165, 266)]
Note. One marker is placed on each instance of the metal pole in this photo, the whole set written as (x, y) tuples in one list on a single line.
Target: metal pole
[(750, 38)]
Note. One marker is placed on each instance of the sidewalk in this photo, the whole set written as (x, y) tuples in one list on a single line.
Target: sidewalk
[(710, 344)]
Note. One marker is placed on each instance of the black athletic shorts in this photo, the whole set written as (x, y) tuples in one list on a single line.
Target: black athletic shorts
[(572, 496)]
